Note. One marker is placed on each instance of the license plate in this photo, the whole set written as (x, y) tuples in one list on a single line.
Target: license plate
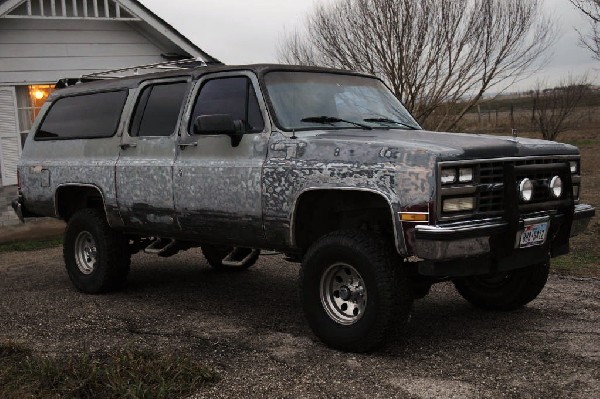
[(534, 234)]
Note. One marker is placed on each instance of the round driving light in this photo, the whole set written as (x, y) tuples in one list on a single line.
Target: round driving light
[(526, 190), (556, 186)]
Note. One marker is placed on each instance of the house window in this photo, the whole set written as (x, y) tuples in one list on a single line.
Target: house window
[(29, 102)]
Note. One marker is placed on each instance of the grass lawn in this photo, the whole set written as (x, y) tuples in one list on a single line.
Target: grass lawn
[(127, 373), (31, 245)]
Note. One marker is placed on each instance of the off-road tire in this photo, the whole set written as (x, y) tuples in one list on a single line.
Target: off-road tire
[(389, 297), (214, 255), (112, 255), (518, 288)]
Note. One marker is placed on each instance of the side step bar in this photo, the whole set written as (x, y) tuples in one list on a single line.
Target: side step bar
[(240, 256), (161, 246)]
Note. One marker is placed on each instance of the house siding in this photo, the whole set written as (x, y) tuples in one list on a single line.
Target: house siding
[(10, 143), (38, 50)]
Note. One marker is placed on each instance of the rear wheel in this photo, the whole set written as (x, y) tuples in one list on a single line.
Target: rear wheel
[(506, 290), (96, 257), (353, 290)]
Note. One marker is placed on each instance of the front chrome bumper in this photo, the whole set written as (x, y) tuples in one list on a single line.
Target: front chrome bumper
[(472, 238)]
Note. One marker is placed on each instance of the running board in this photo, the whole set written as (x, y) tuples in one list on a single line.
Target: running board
[(233, 259), (160, 246)]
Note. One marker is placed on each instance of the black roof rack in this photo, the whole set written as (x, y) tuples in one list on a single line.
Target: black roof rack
[(187, 63)]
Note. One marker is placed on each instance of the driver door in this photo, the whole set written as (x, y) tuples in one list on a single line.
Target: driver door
[(218, 184)]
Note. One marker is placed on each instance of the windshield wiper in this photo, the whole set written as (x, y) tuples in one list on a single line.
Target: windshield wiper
[(386, 120), (330, 120)]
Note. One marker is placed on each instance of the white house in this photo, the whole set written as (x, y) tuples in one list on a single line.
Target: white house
[(42, 41)]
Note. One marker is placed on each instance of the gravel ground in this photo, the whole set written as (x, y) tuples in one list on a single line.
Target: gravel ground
[(249, 327)]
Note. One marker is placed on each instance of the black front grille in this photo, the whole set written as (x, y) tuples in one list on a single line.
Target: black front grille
[(491, 187), (489, 182)]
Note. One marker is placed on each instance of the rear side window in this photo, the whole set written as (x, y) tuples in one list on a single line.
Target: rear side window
[(85, 116), (158, 109)]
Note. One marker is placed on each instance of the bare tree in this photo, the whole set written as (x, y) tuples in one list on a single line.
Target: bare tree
[(591, 40), (553, 108), (432, 53)]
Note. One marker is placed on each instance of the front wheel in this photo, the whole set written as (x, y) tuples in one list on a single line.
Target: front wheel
[(96, 257), (353, 290), (505, 290)]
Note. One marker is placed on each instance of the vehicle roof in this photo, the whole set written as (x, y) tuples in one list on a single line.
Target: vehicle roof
[(134, 81)]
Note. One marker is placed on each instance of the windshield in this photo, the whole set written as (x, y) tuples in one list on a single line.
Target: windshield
[(310, 100)]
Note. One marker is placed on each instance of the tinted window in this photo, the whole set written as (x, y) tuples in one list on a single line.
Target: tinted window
[(84, 116), (233, 96), (158, 109)]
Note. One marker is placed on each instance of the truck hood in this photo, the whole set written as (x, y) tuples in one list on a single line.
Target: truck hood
[(449, 146)]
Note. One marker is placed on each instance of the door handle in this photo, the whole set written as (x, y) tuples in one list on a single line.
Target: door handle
[(127, 145), (183, 146)]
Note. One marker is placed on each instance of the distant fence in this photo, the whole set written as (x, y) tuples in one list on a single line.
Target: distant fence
[(503, 119)]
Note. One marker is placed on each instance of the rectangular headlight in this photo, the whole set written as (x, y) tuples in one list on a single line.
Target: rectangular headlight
[(465, 175), (458, 204), (448, 176)]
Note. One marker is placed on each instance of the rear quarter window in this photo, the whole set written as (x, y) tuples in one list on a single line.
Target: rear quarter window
[(94, 115)]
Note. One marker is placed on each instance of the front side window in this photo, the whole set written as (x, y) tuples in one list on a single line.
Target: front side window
[(158, 109), (233, 96), (312, 100), (93, 115)]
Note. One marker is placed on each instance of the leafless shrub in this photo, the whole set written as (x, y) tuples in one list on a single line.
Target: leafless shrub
[(552, 108), (430, 52)]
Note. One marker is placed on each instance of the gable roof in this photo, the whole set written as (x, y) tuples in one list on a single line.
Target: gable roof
[(148, 21)]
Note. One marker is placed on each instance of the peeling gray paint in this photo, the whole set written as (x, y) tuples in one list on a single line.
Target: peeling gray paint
[(402, 177)]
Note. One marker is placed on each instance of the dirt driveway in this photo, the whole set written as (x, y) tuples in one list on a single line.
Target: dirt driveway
[(249, 327)]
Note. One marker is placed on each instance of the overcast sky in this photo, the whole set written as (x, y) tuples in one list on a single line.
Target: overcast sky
[(248, 31)]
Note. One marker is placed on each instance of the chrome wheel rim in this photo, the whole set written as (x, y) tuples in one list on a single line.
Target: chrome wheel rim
[(85, 252), (343, 293)]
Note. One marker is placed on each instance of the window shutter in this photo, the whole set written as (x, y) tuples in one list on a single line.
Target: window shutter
[(10, 142)]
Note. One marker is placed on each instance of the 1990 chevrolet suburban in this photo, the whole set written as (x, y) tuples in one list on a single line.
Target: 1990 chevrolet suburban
[(323, 165)]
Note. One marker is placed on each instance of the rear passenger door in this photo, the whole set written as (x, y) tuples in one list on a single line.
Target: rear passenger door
[(144, 172), (217, 184)]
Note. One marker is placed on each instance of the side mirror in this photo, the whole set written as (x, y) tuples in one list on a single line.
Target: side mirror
[(220, 124)]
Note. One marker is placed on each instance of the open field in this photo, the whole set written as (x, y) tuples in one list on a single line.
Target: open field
[(584, 258)]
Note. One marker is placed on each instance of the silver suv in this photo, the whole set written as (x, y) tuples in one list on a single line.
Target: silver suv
[(324, 165)]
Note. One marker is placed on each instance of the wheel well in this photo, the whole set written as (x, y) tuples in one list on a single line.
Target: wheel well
[(322, 211), (70, 199)]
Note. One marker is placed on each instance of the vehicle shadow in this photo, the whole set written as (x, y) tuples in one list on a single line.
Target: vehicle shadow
[(264, 299)]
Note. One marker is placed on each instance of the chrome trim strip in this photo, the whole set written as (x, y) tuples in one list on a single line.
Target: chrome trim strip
[(413, 213), (459, 229), (534, 157), (464, 190)]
